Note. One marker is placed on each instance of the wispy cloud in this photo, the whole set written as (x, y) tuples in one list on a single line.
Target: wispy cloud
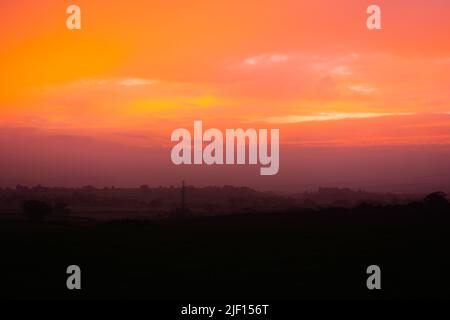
[(341, 71), (362, 89), (129, 82), (266, 58), (329, 116)]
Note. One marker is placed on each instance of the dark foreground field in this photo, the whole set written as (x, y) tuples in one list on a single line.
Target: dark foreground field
[(289, 255)]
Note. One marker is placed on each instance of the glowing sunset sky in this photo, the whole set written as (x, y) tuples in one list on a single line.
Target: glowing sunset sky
[(139, 69)]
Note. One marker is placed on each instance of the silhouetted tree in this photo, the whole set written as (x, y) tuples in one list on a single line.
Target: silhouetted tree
[(61, 209), (36, 210), (436, 199)]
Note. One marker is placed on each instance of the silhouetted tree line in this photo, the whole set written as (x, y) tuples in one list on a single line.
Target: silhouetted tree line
[(436, 202), (38, 210)]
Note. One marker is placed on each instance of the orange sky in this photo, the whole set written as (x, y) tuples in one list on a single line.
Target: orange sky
[(139, 69)]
